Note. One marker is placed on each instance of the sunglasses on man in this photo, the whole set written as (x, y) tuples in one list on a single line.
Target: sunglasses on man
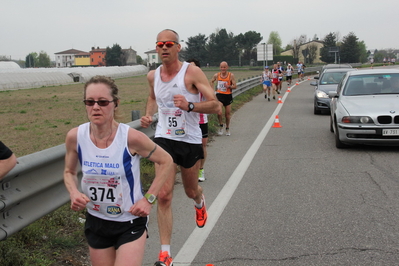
[(168, 44)]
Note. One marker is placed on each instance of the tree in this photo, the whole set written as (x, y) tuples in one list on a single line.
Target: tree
[(139, 60), (364, 54), (349, 51), (196, 48), (274, 38), (296, 44), (4, 58), (31, 60), (114, 55), (246, 44), (329, 41), (288, 47), (312, 52), (222, 47), (43, 60)]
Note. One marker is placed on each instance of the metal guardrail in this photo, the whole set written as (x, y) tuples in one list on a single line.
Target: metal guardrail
[(35, 187)]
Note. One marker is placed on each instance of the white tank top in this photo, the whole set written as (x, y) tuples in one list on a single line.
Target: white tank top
[(111, 176), (174, 123), (203, 117)]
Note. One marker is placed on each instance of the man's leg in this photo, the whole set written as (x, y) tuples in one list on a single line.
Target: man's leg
[(194, 191), (190, 182), (220, 120), (228, 115), (164, 210)]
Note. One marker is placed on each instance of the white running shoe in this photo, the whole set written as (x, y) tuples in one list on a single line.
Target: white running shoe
[(201, 175), (227, 132), (220, 131)]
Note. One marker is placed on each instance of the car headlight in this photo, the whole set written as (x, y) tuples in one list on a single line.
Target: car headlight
[(357, 119), (321, 94)]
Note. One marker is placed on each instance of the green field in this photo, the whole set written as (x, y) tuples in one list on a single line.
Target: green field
[(37, 119)]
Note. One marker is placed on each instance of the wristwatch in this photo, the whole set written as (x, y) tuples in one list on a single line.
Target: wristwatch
[(151, 198), (190, 107)]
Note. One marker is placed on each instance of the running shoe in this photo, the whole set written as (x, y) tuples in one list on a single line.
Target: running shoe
[(227, 131), (274, 97), (164, 259), (268, 99), (265, 96), (201, 214), (220, 131), (201, 176)]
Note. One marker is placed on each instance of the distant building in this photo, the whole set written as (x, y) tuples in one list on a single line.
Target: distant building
[(152, 57), (97, 56), (66, 58), (129, 57), (304, 46), (82, 59)]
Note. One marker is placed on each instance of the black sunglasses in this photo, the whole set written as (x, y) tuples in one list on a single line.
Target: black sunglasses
[(99, 102), (167, 43)]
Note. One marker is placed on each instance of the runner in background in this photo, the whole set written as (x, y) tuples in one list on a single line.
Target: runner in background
[(288, 72), (226, 83), (265, 79)]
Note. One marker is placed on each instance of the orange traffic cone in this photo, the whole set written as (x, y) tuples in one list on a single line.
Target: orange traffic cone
[(297, 83), (279, 100), (276, 122), (288, 89)]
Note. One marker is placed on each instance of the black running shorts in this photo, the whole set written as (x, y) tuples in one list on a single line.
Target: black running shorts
[(225, 99), (102, 233), (183, 153)]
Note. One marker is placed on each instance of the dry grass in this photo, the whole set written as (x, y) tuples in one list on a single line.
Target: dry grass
[(36, 119)]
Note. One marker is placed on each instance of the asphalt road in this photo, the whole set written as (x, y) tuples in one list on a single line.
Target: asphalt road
[(287, 196)]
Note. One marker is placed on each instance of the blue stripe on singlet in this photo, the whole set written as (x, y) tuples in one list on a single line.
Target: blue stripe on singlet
[(127, 165)]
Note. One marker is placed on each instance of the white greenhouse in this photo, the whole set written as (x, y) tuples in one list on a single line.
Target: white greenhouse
[(13, 77)]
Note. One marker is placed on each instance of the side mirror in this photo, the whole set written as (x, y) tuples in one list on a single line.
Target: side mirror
[(332, 94), (316, 77), (313, 83)]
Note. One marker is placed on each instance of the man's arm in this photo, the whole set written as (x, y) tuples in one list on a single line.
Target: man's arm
[(196, 78), (151, 107), (212, 81), (233, 82)]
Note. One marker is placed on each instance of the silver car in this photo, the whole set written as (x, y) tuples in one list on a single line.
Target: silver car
[(328, 81), (365, 108)]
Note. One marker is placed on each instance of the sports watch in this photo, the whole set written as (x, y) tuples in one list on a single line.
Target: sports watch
[(190, 107), (151, 198)]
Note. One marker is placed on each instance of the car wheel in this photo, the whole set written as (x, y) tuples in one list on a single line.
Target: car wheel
[(316, 111), (338, 143)]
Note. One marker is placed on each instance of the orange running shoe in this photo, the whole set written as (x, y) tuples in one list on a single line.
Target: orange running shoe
[(201, 214), (164, 259)]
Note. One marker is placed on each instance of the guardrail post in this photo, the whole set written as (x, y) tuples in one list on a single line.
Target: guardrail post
[(135, 115)]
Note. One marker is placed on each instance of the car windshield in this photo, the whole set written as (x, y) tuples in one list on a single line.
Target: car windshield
[(372, 84), (331, 77)]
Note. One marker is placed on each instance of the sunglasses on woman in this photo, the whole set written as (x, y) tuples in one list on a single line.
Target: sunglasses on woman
[(168, 44), (99, 102)]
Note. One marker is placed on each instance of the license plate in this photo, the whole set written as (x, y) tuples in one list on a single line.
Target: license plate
[(390, 132)]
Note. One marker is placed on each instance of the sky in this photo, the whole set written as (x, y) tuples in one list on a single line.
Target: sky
[(54, 26)]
